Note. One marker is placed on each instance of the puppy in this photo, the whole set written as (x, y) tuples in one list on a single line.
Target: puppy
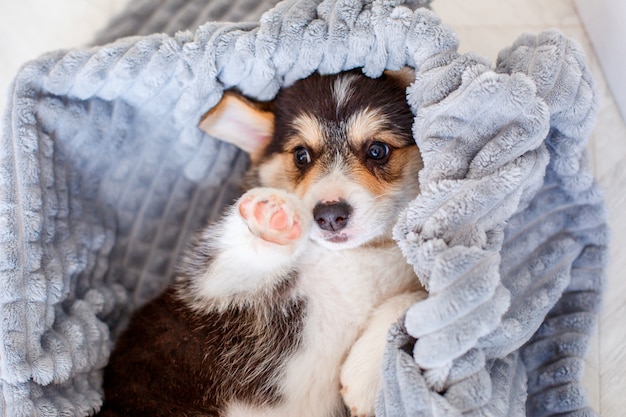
[(282, 307)]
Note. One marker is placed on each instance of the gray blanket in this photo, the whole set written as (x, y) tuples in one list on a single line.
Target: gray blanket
[(105, 176)]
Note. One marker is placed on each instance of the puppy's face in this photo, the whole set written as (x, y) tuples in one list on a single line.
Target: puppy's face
[(343, 144)]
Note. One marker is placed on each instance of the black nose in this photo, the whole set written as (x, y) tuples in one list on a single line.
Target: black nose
[(332, 216)]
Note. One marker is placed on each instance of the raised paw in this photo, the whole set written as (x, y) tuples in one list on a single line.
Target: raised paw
[(273, 215)]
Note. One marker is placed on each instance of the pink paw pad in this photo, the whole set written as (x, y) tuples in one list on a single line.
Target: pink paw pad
[(271, 219)]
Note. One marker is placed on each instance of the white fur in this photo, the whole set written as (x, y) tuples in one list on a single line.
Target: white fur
[(343, 89), (343, 287), (343, 290)]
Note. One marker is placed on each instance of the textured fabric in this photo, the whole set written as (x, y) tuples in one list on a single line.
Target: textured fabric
[(512, 258), (105, 176)]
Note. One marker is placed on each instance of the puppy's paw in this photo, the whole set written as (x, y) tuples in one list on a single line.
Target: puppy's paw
[(273, 215), (359, 391), (360, 379), (361, 372)]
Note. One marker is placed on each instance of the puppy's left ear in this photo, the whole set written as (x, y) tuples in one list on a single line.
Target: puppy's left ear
[(237, 120), (404, 76)]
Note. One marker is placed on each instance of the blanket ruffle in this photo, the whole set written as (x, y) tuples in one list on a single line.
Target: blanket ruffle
[(512, 258), (105, 176)]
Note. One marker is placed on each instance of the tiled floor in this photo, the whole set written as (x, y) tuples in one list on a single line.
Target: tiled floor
[(30, 27)]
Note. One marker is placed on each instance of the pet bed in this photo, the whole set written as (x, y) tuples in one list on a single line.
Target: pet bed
[(105, 176)]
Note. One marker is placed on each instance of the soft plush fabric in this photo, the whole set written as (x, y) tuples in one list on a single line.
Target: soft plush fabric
[(104, 176)]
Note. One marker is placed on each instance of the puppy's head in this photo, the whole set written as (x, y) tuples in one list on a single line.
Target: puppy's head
[(342, 143)]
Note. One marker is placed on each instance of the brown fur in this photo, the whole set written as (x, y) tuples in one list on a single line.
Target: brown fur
[(202, 361)]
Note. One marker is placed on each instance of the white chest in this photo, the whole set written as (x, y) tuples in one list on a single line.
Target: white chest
[(342, 289)]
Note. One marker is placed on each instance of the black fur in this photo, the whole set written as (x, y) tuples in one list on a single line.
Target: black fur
[(174, 362), (314, 96)]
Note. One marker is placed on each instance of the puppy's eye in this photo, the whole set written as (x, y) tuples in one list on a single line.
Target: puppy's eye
[(301, 156), (378, 151)]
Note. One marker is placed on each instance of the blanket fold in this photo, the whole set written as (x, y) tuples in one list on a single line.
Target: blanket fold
[(538, 294), (105, 176)]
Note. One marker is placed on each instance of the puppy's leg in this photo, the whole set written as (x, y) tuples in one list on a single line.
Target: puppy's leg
[(252, 250), (361, 371)]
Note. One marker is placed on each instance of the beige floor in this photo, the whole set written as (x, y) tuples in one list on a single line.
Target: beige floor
[(30, 27)]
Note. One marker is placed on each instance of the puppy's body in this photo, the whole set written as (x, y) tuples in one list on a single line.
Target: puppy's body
[(281, 309)]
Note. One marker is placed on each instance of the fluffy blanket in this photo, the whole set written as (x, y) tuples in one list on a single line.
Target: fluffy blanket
[(104, 176)]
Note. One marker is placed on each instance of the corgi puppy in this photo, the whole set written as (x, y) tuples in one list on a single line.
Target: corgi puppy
[(281, 308)]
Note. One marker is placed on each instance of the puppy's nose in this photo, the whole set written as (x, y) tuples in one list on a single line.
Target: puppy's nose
[(332, 216)]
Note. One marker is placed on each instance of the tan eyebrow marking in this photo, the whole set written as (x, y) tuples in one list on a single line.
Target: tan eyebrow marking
[(308, 130), (368, 124)]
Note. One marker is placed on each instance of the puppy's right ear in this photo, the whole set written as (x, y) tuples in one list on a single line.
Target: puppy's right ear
[(247, 125)]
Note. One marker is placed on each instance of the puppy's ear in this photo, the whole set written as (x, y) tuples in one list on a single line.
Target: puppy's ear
[(404, 76), (247, 125)]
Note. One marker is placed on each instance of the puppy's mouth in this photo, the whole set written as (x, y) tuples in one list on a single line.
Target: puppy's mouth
[(334, 240), (345, 239), (336, 237)]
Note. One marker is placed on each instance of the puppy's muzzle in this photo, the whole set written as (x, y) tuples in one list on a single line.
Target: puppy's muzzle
[(332, 216)]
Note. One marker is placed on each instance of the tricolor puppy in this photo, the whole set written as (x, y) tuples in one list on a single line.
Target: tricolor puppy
[(282, 307)]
